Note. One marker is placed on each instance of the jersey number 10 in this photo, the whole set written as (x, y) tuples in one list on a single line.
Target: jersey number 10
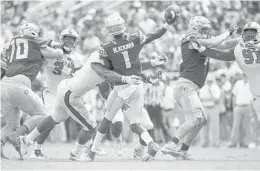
[(20, 48), (251, 56)]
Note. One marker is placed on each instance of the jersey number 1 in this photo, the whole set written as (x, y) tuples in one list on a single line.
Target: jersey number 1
[(127, 59), (251, 56)]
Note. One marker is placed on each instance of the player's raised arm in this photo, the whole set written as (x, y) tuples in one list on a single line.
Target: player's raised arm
[(215, 41), (223, 55), (228, 44), (51, 53), (172, 13)]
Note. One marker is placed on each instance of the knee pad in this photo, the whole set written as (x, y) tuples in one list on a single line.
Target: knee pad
[(137, 128)]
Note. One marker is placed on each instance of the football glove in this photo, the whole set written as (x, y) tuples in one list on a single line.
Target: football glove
[(159, 60)]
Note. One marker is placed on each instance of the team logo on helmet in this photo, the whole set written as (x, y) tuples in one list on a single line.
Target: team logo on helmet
[(69, 45), (201, 25), (115, 24)]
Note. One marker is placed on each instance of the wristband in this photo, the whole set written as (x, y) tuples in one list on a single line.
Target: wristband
[(124, 79), (166, 26), (202, 49)]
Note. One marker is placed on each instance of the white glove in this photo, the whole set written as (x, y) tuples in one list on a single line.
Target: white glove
[(131, 80), (159, 60)]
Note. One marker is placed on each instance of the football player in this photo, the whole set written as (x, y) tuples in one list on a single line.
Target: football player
[(55, 71), (69, 102), (122, 54), (246, 52), (117, 122), (26, 54), (193, 72)]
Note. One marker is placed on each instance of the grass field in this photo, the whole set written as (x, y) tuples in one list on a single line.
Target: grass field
[(210, 158)]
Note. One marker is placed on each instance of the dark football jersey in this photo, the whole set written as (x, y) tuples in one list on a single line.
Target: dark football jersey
[(25, 57), (123, 54), (194, 65)]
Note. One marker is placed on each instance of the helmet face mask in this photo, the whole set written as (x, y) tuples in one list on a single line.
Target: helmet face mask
[(68, 39), (249, 35), (251, 32), (205, 32)]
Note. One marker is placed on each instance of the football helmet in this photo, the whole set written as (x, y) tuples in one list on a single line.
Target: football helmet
[(115, 24), (201, 25), (67, 43), (29, 30), (251, 32)]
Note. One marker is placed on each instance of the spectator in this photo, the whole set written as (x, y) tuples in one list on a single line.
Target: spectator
[(241, 116), (210, 98)]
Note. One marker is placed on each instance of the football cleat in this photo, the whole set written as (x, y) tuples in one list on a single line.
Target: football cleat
[(118, 147), (184, 156), (139, 154), (2, 152), (24, 144), (74, 157), (37, 154), (153, 148), (172, 149), (98, 152), (16, 144)]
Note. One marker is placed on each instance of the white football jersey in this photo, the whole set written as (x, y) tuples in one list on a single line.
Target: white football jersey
[(57, 70), (86, 78), (249, 62)]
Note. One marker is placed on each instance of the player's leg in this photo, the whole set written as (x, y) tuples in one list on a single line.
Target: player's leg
[(116, 129), (141, 148), (49, 98), (11, 115), (75, 107), (114, 103), (136, 112), (187, 96)]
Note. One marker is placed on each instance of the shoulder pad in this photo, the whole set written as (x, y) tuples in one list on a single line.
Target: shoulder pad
[(189, 36)]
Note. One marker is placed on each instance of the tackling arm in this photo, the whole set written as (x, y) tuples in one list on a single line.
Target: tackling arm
[(51, 53), (214, 41), (106, 73), (223, 55)]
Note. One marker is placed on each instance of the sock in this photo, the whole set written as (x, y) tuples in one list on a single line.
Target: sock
[(22, 130), (40, 139), (77, 149), (97, 141), (175, 140), (185, 147), (146, 137), (116, 129), (37, 146), (46, 124), (104, 126), (34, 134)]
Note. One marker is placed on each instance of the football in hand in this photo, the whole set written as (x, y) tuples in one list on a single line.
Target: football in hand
[(171, 12)]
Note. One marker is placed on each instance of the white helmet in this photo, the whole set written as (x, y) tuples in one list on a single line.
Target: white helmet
[(197, 23), (251, 26), (115, 24), (68, 32), (29, 30)]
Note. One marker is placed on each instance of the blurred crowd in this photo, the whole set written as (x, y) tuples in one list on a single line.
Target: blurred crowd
[(228, 125)]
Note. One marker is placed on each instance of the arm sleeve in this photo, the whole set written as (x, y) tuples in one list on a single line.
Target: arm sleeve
[(223, 55), (148, 38)]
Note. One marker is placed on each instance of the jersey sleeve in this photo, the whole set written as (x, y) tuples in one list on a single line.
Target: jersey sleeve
[(5, 55), (42, 44), (103, 56), (140, 36)]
